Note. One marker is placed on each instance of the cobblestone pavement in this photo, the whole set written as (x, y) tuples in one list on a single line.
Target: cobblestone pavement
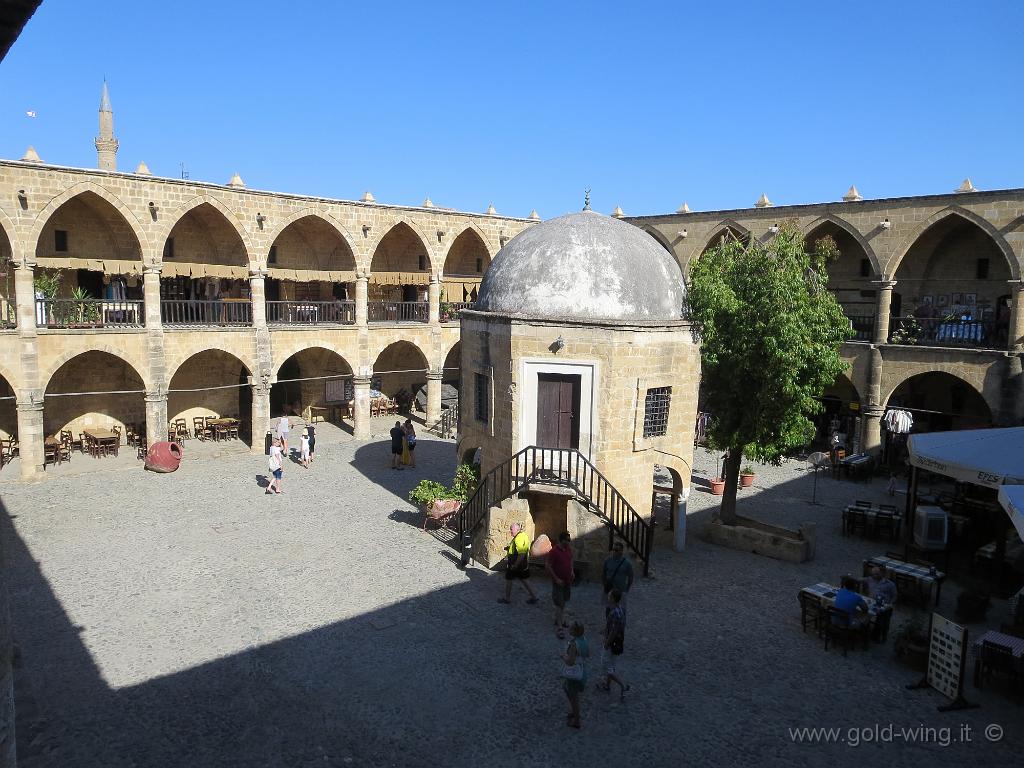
[(188, 619)]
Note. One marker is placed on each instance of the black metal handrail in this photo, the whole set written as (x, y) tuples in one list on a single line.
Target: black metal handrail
[(948, 332), (446, 424), (89, 313), (565, 468), (450, 309), (223, 312), (397, 311), (863, 327), (311, 312)]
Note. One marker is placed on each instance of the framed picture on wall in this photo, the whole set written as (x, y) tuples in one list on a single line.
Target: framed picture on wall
[(927, 299), (958, 299), (942, 300), (970, 299)]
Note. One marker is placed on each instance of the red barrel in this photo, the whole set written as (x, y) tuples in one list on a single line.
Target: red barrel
[(163, 457)]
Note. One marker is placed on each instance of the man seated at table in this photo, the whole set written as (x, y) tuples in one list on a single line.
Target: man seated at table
[(849, 601), (882, 590)]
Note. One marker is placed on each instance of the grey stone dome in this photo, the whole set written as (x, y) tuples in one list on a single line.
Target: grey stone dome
[(584, 266)]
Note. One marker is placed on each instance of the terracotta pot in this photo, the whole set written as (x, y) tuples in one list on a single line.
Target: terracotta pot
[(746, 481), (718, 487)]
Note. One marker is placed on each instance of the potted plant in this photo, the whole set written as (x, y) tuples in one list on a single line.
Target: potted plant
[(910, 642), (746, 476), (718, 482), (427, 492)]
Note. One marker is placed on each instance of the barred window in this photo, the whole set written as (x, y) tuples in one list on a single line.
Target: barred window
[(656, 411), (482, 398)]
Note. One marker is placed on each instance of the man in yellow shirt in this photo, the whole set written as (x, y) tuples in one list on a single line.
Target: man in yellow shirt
[(517, 564)]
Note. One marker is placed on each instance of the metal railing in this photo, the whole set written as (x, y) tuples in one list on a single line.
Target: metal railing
[(311, 312), (89, 313), (948, 332), (8, 314), (183, 312), (397, 311), (450, 309), (863, 327), (446, 425), (564, 468)]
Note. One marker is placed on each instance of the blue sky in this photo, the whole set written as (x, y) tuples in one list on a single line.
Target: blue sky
[(526, 104)]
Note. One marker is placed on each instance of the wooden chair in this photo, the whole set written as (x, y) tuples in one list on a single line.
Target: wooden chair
[(889, 508), (907, 589), (201, 430), (4, 455), (856, 521), (862, 504), (181, 429), (811, 613), (117, 431), (885, 523), (220, 432), (12, 446), (51, 454), (840, 627), (998, 660), (232, 430)]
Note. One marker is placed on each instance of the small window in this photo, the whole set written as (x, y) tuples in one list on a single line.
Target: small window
[(169, 248), (479, 265), (272, 256), (981, 269), (423, 262), (482, 391), (60, 241), (865, 267), (656, 411)]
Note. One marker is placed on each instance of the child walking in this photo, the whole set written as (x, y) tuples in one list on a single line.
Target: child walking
[(305, 450), (276, 464)]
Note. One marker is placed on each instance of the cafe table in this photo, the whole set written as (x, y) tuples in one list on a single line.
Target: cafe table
[(1014, 644), (103, 437), (224, 422), (825, 595), (927, 578)]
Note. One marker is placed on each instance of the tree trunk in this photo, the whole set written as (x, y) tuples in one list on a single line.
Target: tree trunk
[(731, 475)]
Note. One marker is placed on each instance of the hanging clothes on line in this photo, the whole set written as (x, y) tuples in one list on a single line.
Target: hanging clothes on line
[(898, 421)]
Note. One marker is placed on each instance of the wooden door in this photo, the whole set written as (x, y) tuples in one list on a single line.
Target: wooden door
[(558, 408)]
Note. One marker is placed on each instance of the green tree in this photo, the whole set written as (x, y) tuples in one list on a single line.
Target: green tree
[(770, 336)]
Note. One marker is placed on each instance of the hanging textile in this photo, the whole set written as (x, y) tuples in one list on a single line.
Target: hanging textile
[(898, 421)]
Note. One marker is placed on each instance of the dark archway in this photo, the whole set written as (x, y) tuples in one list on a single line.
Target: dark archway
[(400, 370), (119, 400), (940, 402), (400, 268), (310, 261), (8, 410), (850, 277), (301, 384), (210, 383)]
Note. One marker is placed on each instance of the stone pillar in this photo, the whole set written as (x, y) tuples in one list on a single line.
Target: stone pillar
[(361, 407), (260, 413), (882, 313), (871, 434), (434, 300), (433, 397), (151, 295), (156, 416), (258, 297), (362, 290), (31, 435), (25, 297), (1016, 334)]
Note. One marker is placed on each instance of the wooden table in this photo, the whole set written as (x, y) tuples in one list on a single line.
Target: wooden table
[(825, 595), (103, 437), (871, 516), (225, 422), (927, 578), (1014, 644)]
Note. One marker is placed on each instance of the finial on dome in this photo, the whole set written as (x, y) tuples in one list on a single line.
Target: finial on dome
[(142, 169), (236, 181), (684, 208), (534, 216), (852, 195), (966, 187), (617, 213), (367, 197), (427, 202), (490, 210), (586, 199), (31, 156), (763, 201)]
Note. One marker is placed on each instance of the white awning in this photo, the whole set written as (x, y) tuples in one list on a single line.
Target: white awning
[(988, 457), (1012, 499)]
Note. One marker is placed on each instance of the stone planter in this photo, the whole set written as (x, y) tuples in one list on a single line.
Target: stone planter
[(761, 539), (718, 487), (746, 480)]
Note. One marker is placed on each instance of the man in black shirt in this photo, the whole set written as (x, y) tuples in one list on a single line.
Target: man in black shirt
[(396, 445)]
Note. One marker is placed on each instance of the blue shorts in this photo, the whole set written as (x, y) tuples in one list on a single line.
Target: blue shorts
[(278, 474)]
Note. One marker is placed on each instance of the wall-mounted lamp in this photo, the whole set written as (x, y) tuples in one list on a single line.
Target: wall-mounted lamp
[(774, 229), (153, 208), (260, 218), (366, 229), (885, 224), (682, 233), (502, 238), (440, 235), (557, 345), (22, 199)]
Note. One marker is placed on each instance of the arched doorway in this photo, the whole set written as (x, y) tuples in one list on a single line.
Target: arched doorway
[(88, 266), (399, 276), (949, 284), (301, 384), (840, 414), (849, 277), (205, 277), (464, 268), (8, 306), (211, 383), (452, 371), (399, 372), (311, 274), (8, 410), (94, 390)]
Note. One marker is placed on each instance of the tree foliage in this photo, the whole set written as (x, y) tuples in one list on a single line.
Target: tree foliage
[(770, 334)]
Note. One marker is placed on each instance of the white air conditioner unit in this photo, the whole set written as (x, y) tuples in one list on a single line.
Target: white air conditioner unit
[(931, 527)]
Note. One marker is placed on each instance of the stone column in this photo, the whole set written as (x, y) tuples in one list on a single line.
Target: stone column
[(1016, 328), (882, 313), (362, 290), (151, 295), (25, 297), (871, 434), (258, 297), (433, 397), (156, 416), (260, 413), (434, 300), (361, 407), (31, 435)]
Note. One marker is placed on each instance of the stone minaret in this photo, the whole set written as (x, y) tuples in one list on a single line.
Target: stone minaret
[(106, 144)]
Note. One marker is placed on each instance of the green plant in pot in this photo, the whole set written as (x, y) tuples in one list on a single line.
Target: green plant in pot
[(427, 492), (85, 311), (910, 642), (746, 476)]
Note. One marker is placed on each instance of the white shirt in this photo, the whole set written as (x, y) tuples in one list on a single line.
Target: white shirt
[(275, 457), (283, 426)]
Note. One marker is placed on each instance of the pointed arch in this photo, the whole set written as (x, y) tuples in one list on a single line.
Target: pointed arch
[(955, 210), (75, 190), (469, 232), (10, 231), (188, 355), (417, 232), (314, 213), (852, 231), (139, 370), (195, 202), (728, 225), (660, 237)]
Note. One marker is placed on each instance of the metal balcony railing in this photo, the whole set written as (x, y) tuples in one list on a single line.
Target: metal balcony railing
[(397, 312), (450, 309), (863, 327), (948, 332), (311, 312), (180, 312), (89, 313)]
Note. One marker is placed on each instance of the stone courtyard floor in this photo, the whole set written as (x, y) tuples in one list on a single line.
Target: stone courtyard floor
[(190, 620)]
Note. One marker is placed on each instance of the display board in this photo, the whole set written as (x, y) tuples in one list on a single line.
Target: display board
[(338, 390), (946, 661)]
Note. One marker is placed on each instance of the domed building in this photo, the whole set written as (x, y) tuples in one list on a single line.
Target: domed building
[(579, 375)]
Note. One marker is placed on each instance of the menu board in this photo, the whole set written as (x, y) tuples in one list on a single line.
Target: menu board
[(338, 390), (946, 656)]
